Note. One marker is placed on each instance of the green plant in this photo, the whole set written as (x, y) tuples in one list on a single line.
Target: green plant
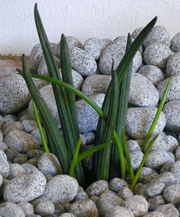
[(111, 123)]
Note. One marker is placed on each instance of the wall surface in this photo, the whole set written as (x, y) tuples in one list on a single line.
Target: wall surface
[(80, 18)]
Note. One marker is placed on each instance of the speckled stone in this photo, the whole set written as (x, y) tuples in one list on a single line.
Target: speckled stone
[(15, 170), (27, 208), (158, 34), (174, 89), (95, 84), (90, 137), (152, 73), (37, 135), (82, 62), (67, 215), (1, 120), (136, 32), (156, 159), (172, 113), (154, 214), (157, 54), (173, 64), (125, 193), (25, 188), (154, 202), (168, 210), (139, 120), (119, 211), (8, 209), (3, 146), (81, 194), (175, 43), (145, 171), (13, 126), (29, 125), (142, 92), (61, 188), (116, 184), (175, 169), (20, 158), (21, 141), (77, 79), (177, 154), (174, 144), (97, 188), (167, 178), (172, 193), (4, 165), (45, 208), (133, 145), (87, 116), (137, 204), (34, 153), (136, 158), (155, 188)]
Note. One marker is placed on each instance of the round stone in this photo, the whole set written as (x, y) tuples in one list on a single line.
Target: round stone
[(173, 64), (175, 43)]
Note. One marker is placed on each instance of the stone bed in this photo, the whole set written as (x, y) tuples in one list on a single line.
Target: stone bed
[(31, 183)]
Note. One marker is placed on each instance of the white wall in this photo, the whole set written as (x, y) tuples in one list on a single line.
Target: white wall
[(80, 18)]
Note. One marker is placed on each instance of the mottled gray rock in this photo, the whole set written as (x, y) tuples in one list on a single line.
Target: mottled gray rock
[(9, 118), (119, 211), (97, 188), (175, 43), (173, 143), (107, 201), (172, 193), (171, 157), (177, 154), (137, 204), (77, 79), (158, 34), (67, 215), (81, 194), (155, 188), (154, 214), (82, 62), (20, 159), (154, 202), (175, 169), (45, 208), (95, 84), (136, 32), (49, 164), (29, 125), (21, 141), (87, 116), (94, 47), (90, 137), (13, 126), (152, 73), (174, 89), (3, 146), (85, 208), (136, 158), (145, 171), (167, 178), (11, 154), (34, 153), (125, 193), (141, 190), (61, 188), (25, 187), (1, 136), (168, 210), (142, 92), (4, 165), (139, 120), (1, 180), (173, 64), (116, 184), (172, 113), (26, 207), (157, 54), (1, 120), (15, 170), (37, 135), (149, 178), (133, 145), (156, 159), (8, 209), (29, 168), (16, 95)]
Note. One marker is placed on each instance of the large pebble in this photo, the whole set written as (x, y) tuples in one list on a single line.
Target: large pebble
[(27, 208), (154, 202), (116, 184), (172, 193), (8, 209), (4, 165), (45, 208), (175, 43), (61, 188), (142, 92), (26, 187), (21, 141), (87, 116), (167, 178), (15, 170), (16, 95), (97, 188), (157, 54), (173, 64), (119, 211), (82, 62), (168, 210), (95, 84), (136, 158), (139, 120), (154, 214), (155, 188)]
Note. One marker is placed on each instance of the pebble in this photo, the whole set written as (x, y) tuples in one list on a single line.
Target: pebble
[(29, 125), (155, 188), (13, 126), (168, 210), (4, 165), (172, 193), (82, 62), (90, 137), (119, 211), (67, 215), (175, 44), (142, 92), (116, 184), (9, 209), (136, 158), (139, 120), (173, 65), (154, 202), (27, 208), (81, 194), (157, 54), (45, 208), (15, 170), (125, 193), (97, 188), (35, 57), (133, 145), (154, 214)]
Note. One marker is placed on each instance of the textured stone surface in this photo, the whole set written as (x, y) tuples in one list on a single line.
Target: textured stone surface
[(155, 188), (154, 214), (29, 125), (139, 120), (154, 202), (133, 145), (125, 193), (142, 92), (14, 126), (45, 208), (8, 209), (175, 43), (168, 210), (136, 158), (81, 194), (116, 184), (4, 165), (172, 193), (27, 208), (119, 211), (15, 170), (173, 64), (97, 188), (35, 57)]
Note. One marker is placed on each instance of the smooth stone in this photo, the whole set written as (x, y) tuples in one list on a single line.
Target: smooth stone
[(97, 188), (11, 154), (29, 125), (154, 214), (116, 184), (90, 137), (13, 126), (133, 145), (45, 208), (154, 202), (155, 189), (21, 141), (4, 165), (168, 210), (136, 158), (174, 89), (145, 171), (3, 146), (20, 159), (125, 193), (81, 195), (95, 84), (15, 170), (61, 188), (82, 62), (34, 153), (173, 65), (8, 209), (16, 94), (1, 121), (167, 178), (49, 164), (37, 135), (136, 32), (27, 208), (25, 188), (29, 168), (157, 54), (172, 194), (171, 111), (158, 34), (139, 120), (119, 211), (177, 154), (152, 73), (87, 116), (142, 92), (175, 43), (67, 215)]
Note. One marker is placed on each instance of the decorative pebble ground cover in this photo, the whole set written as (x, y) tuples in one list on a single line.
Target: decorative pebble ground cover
[(31, 183)]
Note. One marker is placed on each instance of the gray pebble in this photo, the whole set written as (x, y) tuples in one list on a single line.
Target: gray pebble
[(20, 159), (67, 215), (168, 210), (11, 154), (173, 65), (9, 118), (145, 171), (119, 211), (95, 84), (133, 145), (1, 136), (173, 143), (81, 194), (136, 32), (157, 54), (125, 193), (15, 170), (29, 125), (4, 165), (61, 188), (177, 154), (152, 73), (154, 214), (171, 157), (37, 135), (147, 179), (26, 207), (45, 208), (116, 184), (136, 158), (13, 126), (155, 188), (175, 43), (1, 180), (137, 204), (82, 62), (29, 168), (90, 137), (154, 202), (1, 120), (139, 120), (8, 209), (34, 153), (35, 57), (3, 146), (172, 193), (97, 188), (167, 178)]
